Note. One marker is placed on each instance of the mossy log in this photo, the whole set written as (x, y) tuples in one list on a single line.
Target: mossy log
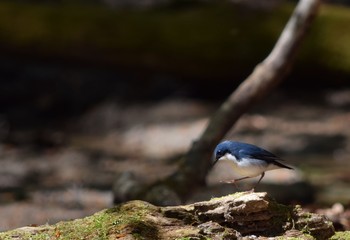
[(255, 215)]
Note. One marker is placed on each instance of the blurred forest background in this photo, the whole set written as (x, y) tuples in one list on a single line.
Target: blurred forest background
[(96, 93)]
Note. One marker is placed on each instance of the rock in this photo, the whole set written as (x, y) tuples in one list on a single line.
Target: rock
[(244, 215)]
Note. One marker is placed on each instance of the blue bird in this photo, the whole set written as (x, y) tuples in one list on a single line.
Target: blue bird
[(247, 159)]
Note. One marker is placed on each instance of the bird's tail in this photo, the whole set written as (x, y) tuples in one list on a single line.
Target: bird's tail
[(281, 165)]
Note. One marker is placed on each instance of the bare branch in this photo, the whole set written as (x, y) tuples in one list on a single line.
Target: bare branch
[(262, 80)]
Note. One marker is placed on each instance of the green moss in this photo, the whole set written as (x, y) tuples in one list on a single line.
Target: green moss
[(40, 233), (341, 236), (119, 221), (304, 237)]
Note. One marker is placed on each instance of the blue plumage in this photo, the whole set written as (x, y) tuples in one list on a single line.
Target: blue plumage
[(247, 159)]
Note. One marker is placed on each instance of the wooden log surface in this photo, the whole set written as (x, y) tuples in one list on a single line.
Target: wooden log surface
[(244, 214)]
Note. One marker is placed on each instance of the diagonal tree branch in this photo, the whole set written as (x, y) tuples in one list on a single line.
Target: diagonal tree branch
[(262, 80)]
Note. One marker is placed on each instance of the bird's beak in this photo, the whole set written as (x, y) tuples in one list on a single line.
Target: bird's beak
[(216, 159)]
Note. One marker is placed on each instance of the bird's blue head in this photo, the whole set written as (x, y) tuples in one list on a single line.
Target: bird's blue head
[(222, 149)]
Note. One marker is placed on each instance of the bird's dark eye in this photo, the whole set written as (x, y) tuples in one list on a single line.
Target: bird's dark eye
[(219, 153)]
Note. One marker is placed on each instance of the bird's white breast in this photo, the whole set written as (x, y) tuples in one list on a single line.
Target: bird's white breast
[(245, 167)]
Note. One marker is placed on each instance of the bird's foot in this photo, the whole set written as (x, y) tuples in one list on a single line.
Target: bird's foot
[(230, 181), (251, 190), (233, 181)]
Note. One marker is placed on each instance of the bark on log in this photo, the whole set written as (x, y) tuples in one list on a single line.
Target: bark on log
[(246, 213), (254, 215)]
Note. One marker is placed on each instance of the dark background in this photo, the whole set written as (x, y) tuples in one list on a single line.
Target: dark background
[(90, 90)]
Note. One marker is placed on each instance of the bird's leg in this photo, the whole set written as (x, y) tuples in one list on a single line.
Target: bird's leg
[(262, 175), (235, 180), (231, 181)]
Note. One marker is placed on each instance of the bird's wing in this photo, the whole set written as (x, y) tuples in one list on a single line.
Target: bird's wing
[(259, 153)]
